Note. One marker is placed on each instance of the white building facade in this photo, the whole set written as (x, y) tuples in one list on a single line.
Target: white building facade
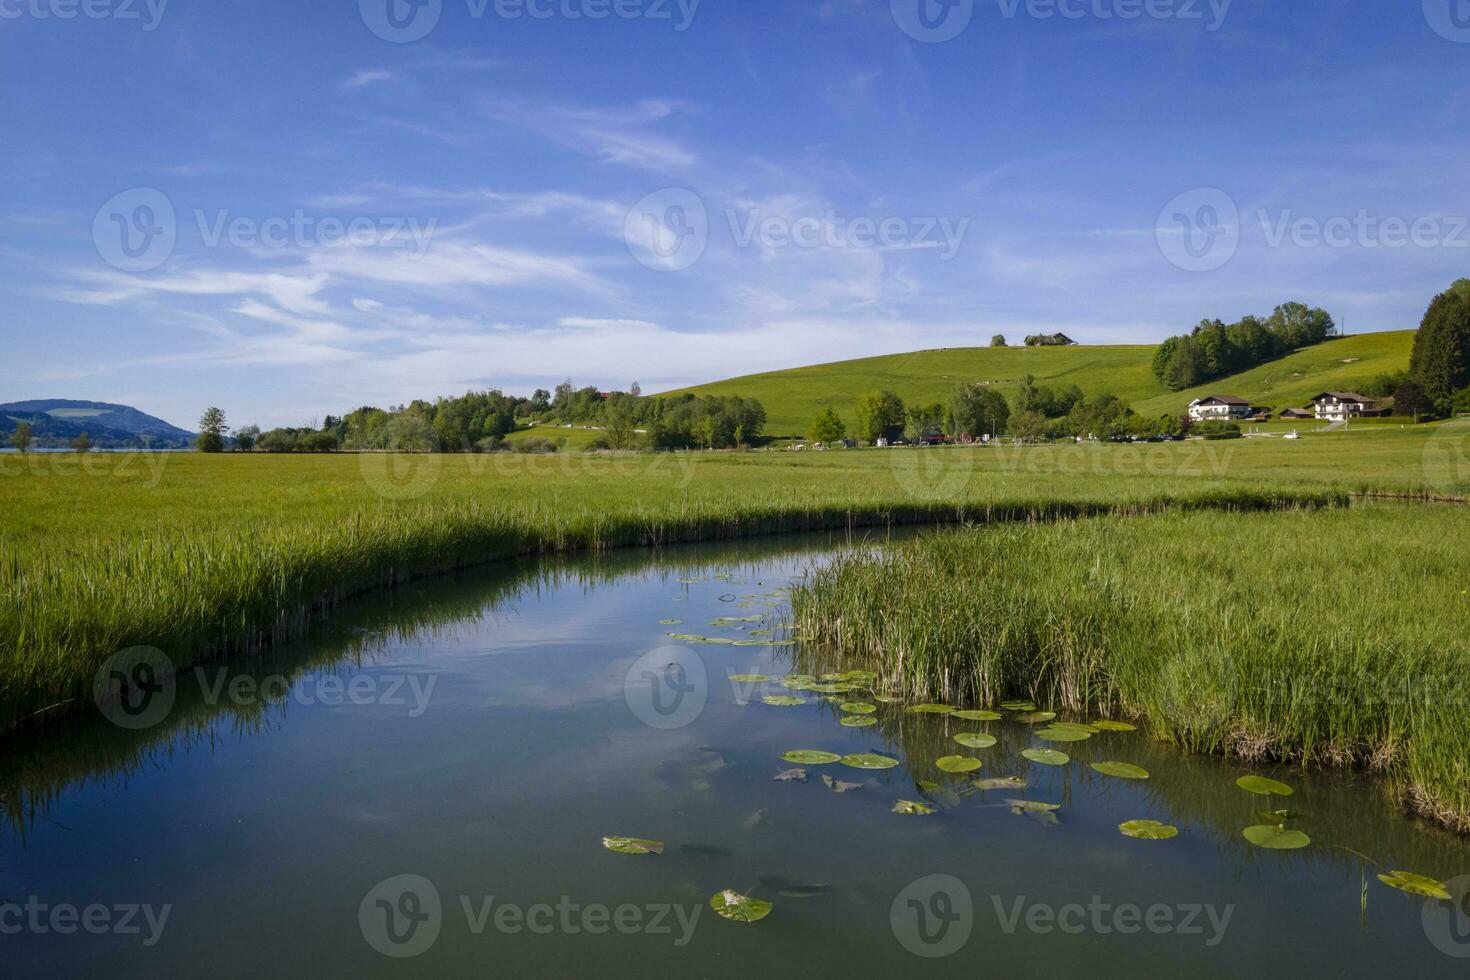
[(1226, 407)]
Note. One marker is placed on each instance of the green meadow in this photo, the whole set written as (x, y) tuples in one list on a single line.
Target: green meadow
[(793, 398)]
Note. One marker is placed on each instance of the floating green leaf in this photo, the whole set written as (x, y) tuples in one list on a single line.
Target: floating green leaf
[(838, 786), (1122, 770), (858, 721), (1035, 717), (696, 638), (930, 709), (975, 740), (862, 675), (1407, 881), (798, 681), (1262, 786), (858, 707), (633, 845), (1046, 757), (671, 622), (869, 760), (739, 908), (1147, 830), (913, 808), (790, 776), (1001, 782), (1021, 806), (1063, 734), (831, 688), (810, 757), (957, 763), (749, 678), (1113, 726), (782, 701), (971, 714), (1276, 837), (1018, 705)]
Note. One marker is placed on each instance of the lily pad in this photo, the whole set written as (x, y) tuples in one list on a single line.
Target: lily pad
[(739, 908), (798, 681), (1122, 770), (696, 638), (671, 622), (782, 701), (1018, 705), (1035, 717), (1001, 782), (831, 688), (930, 709), (912, 808), (810, 757), (1059, 734), (1114, 726), (749, 678), (975, 740), (1424, 887), (862, 675), (972, 714), (633, 845), (1147, 830), (957, 763), (858, 721), (869, 760), (858, 707), (1276, 837), (1046, 757), (1262, 786), (838, 786), (1021, 806), (790, 776)]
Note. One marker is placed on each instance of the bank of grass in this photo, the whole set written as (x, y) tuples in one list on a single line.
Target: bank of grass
[(1330, 637), (204, 555)]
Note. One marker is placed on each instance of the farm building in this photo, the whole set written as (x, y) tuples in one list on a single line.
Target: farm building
[(1339, 406), (1219, 407)]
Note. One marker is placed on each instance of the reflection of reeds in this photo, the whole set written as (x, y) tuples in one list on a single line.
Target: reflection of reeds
[(225, 586), (1333, 637)]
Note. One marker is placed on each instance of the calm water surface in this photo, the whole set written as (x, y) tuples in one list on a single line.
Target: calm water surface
[(432, 772)]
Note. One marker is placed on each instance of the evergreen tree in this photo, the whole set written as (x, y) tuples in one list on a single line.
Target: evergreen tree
[(1440, 363)]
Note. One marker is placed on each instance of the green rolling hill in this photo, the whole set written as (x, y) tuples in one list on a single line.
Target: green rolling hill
[(794, 397)]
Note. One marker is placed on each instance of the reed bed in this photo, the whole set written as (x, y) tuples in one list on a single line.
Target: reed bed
[(1327, 636)]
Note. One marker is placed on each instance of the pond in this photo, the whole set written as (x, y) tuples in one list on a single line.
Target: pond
[(422, 785)]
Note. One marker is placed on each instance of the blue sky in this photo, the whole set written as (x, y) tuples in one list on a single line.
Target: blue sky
[(678, 192)]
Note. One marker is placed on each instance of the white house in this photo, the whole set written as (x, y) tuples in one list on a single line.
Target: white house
[(1339, 406), (1219, 407)]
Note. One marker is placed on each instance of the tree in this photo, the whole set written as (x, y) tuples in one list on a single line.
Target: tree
[(81, 443), (246, 438), (977, 410), (880, 414), (1440, 363), (1410, 400), (998, 340), (211, 431), (828, 427), (21, 437), (1028, 426), (620, 421)]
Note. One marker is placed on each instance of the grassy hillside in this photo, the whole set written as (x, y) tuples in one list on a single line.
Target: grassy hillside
[(794, 397)]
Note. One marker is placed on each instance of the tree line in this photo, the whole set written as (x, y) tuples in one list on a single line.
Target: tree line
[(1215, 349)]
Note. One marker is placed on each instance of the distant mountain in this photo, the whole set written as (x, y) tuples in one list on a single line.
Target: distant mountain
[(56, 421)]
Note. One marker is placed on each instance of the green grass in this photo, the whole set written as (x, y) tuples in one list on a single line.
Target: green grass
[(793, 398), (198, 554), (1331, 637)]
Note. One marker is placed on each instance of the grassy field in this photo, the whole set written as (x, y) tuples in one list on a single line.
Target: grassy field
[(1331, 637), (793, 398), (194, 554)]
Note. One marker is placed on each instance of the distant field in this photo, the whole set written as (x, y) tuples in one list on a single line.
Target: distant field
[(794, 397)]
